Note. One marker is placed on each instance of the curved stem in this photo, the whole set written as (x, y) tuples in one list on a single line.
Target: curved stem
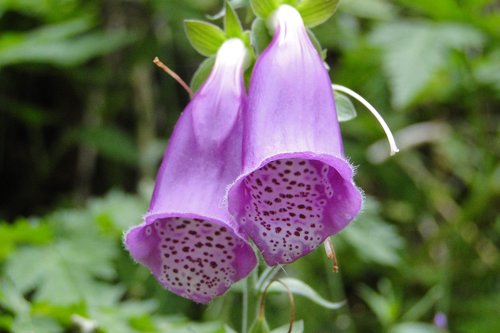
[(387, 130), (174, 75), (262, 303), (266, 276)]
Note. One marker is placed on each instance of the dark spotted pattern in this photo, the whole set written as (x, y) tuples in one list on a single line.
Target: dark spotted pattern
[(284, 215), (197, 256)]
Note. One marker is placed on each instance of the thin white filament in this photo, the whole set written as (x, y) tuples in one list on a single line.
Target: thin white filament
[(387, 130)]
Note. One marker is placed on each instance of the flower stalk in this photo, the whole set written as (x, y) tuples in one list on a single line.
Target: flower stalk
[(359, 98)]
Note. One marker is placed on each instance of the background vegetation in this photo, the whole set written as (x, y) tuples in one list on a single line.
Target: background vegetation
[(85, 116)]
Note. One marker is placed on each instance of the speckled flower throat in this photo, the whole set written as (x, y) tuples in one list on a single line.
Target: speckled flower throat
[(285, 210), (196, 256)]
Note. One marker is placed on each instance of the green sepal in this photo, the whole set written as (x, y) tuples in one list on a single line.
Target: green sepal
[(202, 73), (205, 38), (232, 23), (317, 45), (260, 35), (345, 108), (264, 8), (315, 12), (259, 326)]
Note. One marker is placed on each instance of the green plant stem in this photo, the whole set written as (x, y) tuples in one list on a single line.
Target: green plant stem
[(247, 287)]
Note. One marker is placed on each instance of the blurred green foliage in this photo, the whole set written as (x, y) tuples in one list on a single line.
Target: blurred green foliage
[(83, 111)]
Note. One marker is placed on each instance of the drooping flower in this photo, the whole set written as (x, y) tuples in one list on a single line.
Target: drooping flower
[(297, 187), (188, 239)]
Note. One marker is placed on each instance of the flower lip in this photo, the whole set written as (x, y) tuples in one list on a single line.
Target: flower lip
[(293, 202), (193, 256)]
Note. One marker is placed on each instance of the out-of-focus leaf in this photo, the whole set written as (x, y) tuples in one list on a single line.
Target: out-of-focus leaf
[(205, 38), (298, 327), (315, 12), (65, 272), (11, 299), (118, 318), (415, 51), (111, 142), (180, 325), (384, 304), (488, 70), (61, 44), (369, 227), (117, 211), (344, 107), (301, 288), (418, 310), (22, 231), (202, 73), (374, 9), (414, 328), (38, 324)]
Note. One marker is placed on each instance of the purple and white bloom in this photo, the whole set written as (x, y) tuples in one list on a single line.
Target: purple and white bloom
[(296, 188), (188, 239)]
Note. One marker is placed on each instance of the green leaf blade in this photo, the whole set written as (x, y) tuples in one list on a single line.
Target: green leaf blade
[(300, 288), (205, 38), (316, 12), (232, 23), (344, 107)]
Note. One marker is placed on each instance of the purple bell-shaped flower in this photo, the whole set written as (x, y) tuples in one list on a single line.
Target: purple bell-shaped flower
[(188, 239), (296, 188)]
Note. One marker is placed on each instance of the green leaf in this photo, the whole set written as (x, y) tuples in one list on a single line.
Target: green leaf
[(414, 328), (263, 8), (259, 35), (344, 107), (232, 23), (22, 231), (111, 142), (67, 271), (259, 326), (205, 37), (119, 318), (12, 299), (202, 73), (413, 52), (315, 12), (373, 9), (36, 324), (298, 327), (59, 44), (367, 226), (385, 304), (301, 288), (116, 212)]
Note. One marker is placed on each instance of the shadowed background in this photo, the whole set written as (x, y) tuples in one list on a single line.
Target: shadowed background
[(85, 117)]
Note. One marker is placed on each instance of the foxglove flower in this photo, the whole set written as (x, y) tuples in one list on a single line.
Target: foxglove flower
[(188, 239), (296, 188)]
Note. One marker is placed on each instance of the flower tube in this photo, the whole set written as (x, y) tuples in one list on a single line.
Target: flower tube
[(296, 188), (188, 239)]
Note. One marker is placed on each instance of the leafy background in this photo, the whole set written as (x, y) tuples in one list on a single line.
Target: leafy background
[(85, 116)]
